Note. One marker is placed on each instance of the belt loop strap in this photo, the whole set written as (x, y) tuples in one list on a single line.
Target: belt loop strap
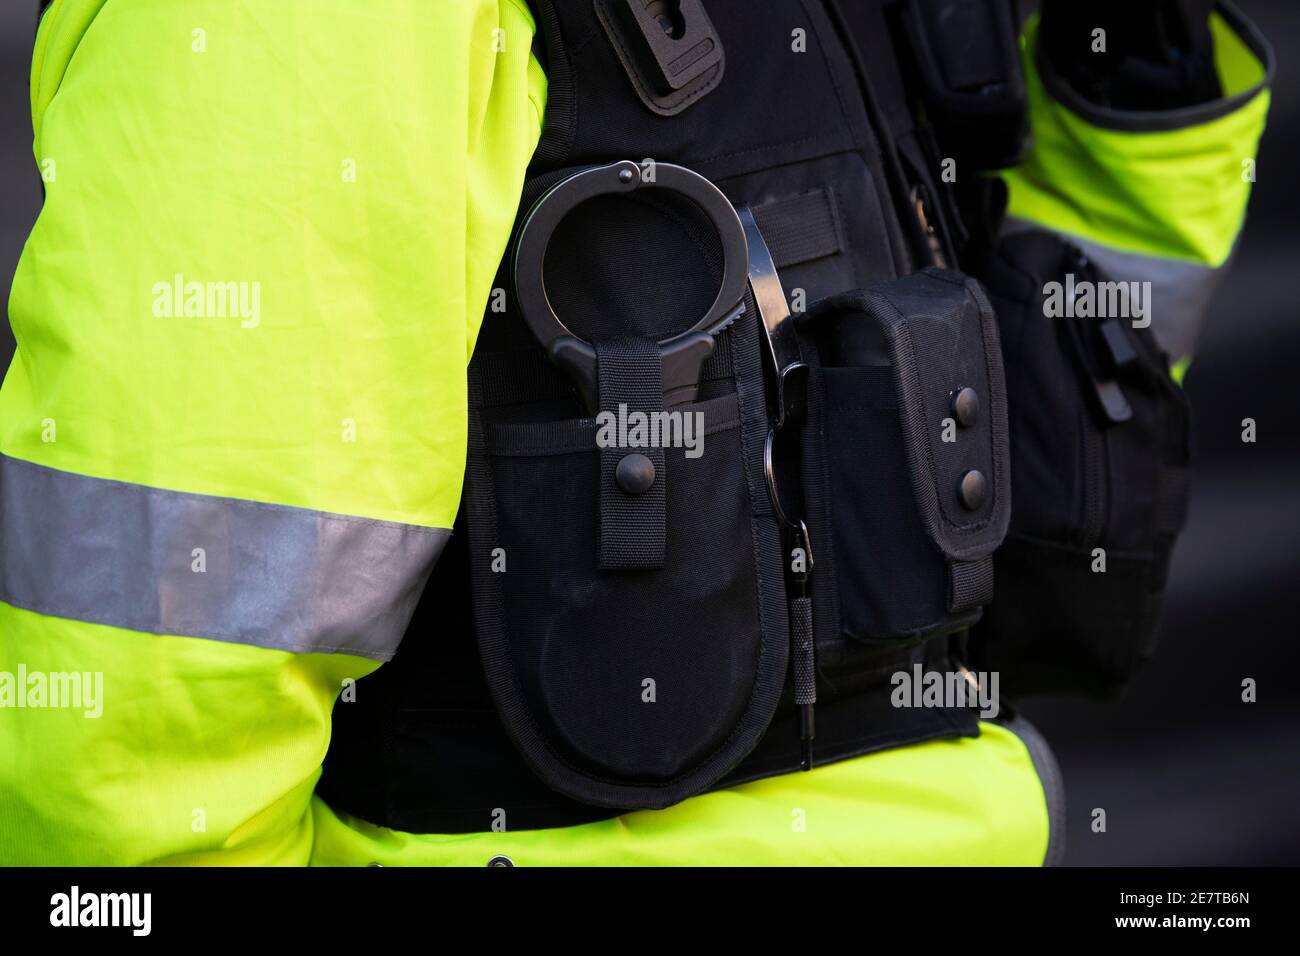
[(632, 515), (971, 584)]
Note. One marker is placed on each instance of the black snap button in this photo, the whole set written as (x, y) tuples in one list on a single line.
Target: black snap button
[(500, 861), (966, 407), (635, 474), (974, 488)]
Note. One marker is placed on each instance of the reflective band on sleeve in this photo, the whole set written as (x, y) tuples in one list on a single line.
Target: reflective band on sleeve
[(1180, 291), (168, 562)]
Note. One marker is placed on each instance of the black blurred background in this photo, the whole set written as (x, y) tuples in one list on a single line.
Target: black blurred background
[(1187, 773)]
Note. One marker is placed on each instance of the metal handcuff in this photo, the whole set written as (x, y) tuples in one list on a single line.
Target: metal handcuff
[(683, 354), (746, 262)]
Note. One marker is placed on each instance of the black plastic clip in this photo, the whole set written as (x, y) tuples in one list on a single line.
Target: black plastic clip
[(668, 48)]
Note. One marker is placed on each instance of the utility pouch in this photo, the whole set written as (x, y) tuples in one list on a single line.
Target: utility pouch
[(905, 459), (1099, 439), (966, 54), (628, 586)]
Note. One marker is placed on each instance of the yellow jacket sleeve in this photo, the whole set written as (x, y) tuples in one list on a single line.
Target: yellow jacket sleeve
[(233, 434)]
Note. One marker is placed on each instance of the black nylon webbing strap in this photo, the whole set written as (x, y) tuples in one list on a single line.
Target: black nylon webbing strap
[(632, 526), (971, 584), (800, 229), (511, 378)]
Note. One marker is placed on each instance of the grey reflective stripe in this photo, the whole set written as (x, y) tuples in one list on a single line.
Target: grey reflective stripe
[(1180, 290), (224, 569), (1049, 773)]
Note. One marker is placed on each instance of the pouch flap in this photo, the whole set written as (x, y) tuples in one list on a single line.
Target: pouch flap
[(937, 330)]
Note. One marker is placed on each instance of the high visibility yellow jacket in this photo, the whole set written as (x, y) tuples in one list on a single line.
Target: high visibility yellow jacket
[(233, 435)]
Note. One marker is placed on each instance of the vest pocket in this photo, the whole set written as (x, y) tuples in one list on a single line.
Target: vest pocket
[(1099, 438), (628, 679), (905, 463)]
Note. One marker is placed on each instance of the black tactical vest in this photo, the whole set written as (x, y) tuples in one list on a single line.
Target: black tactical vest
[(622, 624)]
